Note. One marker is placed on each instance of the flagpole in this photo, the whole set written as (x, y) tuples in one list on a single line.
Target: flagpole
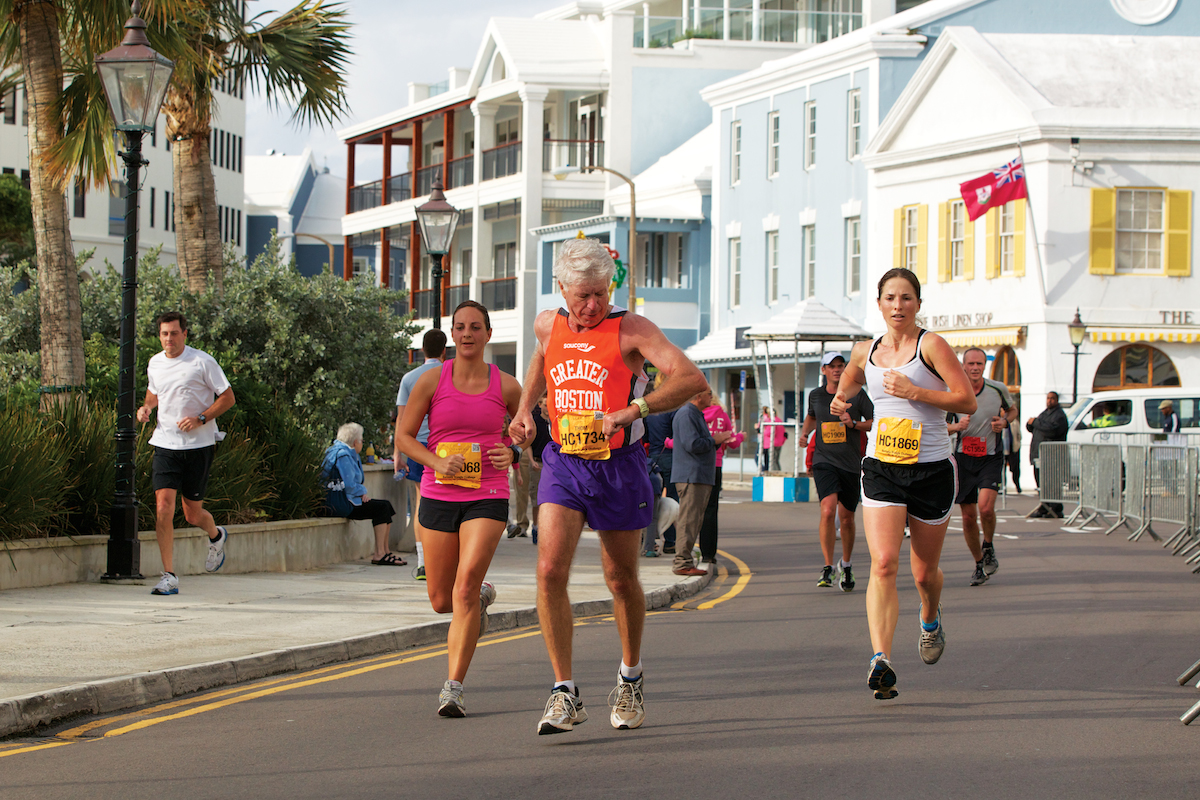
[(1037, 247)]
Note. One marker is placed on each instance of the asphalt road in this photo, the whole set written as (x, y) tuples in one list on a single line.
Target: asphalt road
[(1058, 681)]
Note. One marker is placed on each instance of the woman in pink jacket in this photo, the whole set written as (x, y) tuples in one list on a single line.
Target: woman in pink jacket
[(718, 422), (771, 439)]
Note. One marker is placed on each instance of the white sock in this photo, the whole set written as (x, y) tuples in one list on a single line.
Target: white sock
[(454, 684), (631, 673), (420, 555), (845, 563), (568, 685)]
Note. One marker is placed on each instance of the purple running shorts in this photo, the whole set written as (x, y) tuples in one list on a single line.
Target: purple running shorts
[(614, 495)]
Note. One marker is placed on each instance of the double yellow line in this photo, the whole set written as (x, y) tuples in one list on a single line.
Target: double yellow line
[(188, 707)]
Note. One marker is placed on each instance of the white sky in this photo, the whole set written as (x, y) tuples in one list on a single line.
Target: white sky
[(394, 42)]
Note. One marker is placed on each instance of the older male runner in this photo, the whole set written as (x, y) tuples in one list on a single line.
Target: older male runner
[(590, 359), (979, 452)]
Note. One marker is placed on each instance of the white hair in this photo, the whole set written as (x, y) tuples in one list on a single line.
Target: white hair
[(350, 433), (583, 260)]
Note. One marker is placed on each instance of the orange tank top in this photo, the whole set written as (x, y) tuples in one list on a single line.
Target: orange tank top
[(586, 378)]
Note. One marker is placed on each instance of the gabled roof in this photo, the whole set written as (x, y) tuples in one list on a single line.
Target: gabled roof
[(1001, 86), (272, 181), (542, 51), (808, 321)]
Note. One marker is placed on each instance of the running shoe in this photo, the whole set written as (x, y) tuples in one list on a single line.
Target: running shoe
[(168, 585), (450, 701), (979, 577), (990, 562), (419, 573), (846, 578), (533, 533), (563, 712), (487, 596), (932, 643), (626, 702), (826, 577), (216, 551), (882, 678)]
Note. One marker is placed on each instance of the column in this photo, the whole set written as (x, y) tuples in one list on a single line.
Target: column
[(645, 26), (347, 251), (725, 21), (533, 100), (485, 135), (447, 147), (756, 23)]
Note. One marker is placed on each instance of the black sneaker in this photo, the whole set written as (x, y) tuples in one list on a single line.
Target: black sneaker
[(826, 577), (846, 577), (979, 577), (419, 573), (990, 562), (882, 678)]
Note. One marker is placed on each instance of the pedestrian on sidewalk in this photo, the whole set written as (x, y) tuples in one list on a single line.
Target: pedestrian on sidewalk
[(1049, 426), (771, 436), (433, 345), (520, 481), (694, 470), (658, 431), (590, 359), (464, 489), (344, 454), (908, 474), (718, 423), (189, 390)]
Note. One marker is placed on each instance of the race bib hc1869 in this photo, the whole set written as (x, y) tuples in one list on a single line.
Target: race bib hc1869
[(898, 440)]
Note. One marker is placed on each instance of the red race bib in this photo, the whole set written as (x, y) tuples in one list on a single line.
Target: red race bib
[(974, 446)]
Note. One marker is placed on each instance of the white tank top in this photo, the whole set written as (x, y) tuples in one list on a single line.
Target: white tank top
[(906, 431)]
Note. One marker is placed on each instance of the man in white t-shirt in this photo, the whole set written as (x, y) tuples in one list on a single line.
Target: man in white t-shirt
[(183, 383)]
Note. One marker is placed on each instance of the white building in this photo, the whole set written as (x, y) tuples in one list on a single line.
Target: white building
[(303, 205), (98, 215), (1110, 132)]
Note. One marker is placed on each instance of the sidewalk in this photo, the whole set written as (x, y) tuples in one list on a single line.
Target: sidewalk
[(92, 647)]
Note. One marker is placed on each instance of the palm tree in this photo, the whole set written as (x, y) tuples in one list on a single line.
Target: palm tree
[(299, 59)]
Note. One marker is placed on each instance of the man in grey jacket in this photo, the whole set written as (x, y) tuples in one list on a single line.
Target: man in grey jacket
[(693, 469)]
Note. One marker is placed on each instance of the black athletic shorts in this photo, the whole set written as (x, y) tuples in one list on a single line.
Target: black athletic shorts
[(975, 473), (835, 480), (442, 515), (185, 471), (926, 490)]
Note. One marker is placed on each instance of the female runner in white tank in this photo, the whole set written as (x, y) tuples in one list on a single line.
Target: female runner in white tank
[(908, 475)]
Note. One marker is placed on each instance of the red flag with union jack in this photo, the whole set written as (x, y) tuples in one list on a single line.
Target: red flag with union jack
[(994, 189)]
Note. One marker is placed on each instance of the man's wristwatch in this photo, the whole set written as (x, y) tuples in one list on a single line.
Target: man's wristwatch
[(203, 419), (643, 406)]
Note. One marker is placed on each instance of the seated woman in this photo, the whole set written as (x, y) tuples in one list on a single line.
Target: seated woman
[(344, 454)]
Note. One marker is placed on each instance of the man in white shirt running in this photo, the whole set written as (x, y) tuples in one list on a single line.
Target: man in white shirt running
[(190, 391)]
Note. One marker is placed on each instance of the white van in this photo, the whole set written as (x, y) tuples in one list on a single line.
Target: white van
[(1131, 416)]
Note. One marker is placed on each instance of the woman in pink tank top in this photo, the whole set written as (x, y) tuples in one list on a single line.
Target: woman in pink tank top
[(464, 492)]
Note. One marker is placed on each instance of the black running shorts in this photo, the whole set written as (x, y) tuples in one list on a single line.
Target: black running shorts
[(926, 490), (446, 516), (835, 480), (185, 471), (976, 473)]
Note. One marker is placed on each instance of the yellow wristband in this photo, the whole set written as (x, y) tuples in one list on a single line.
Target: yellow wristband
[(643, 406)]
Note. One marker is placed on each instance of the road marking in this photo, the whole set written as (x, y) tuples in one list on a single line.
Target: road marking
[(743, 579), (34, 748)]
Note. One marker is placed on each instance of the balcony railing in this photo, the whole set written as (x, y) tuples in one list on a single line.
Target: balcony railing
[(462, 172), (400, 307), (426, 176), (499, 294), (422, 301), (367, 195), (502, 161), (400, 187), (795, 27), (578, 153), (455, 295), (664, 31)]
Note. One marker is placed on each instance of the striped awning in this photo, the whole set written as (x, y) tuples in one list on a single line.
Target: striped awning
[(983, 337), (1188, 335)]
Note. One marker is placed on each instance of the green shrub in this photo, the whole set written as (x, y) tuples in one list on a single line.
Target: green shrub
[(33, 478), (84, 435)]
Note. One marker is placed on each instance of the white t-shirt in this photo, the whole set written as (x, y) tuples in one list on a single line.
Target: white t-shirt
[(185, 387)]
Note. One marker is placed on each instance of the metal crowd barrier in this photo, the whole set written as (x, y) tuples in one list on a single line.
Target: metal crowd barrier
[(1100, 473), (1136, 490), (1058, 472)]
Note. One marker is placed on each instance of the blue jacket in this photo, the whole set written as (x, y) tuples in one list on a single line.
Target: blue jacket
[(350, 466), (695, 459)]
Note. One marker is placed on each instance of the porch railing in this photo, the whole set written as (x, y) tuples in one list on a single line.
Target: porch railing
[(578, 153), (499, 294), (502, 161), (462, 172)]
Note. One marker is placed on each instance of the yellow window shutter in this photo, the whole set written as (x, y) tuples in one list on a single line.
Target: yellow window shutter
[(968, 247), (922, 241), (991, 249), (943, 242), (1177, 248), (1102, 250), (898, 240), (1019, 209)]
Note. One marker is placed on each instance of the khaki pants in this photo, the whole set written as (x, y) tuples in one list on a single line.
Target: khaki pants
[(522, 491), (693, 498)]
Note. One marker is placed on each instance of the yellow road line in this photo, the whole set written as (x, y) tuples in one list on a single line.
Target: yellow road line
[(33, 748), (743, 579)]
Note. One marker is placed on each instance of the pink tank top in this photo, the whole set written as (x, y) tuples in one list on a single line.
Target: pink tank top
[(467, 418)]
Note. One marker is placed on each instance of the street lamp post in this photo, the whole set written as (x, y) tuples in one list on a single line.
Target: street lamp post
[(437, 220), (563, 172), (1077, 331), (135, 80)]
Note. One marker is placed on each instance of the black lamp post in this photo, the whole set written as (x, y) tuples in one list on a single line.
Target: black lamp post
[(135, 79), (437, 219), (1077, 331)]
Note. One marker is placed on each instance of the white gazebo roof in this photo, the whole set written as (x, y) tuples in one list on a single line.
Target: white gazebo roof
[(808, 321)]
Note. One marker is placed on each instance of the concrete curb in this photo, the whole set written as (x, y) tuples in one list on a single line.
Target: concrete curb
[(27, 713)]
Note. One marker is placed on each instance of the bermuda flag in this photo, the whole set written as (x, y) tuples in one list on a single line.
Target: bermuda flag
[(994, 189)]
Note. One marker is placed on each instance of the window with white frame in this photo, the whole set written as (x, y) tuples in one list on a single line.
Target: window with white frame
[(464, 266), (1007, 239), (735, 152), (911, 237), (772, 266), (361, 265), (810, 134), (854, 123), (772, 144), (957, 237), (1139, 230), (810, 261), (735, 273), (504, 263), (662, 259), (853, 255)]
